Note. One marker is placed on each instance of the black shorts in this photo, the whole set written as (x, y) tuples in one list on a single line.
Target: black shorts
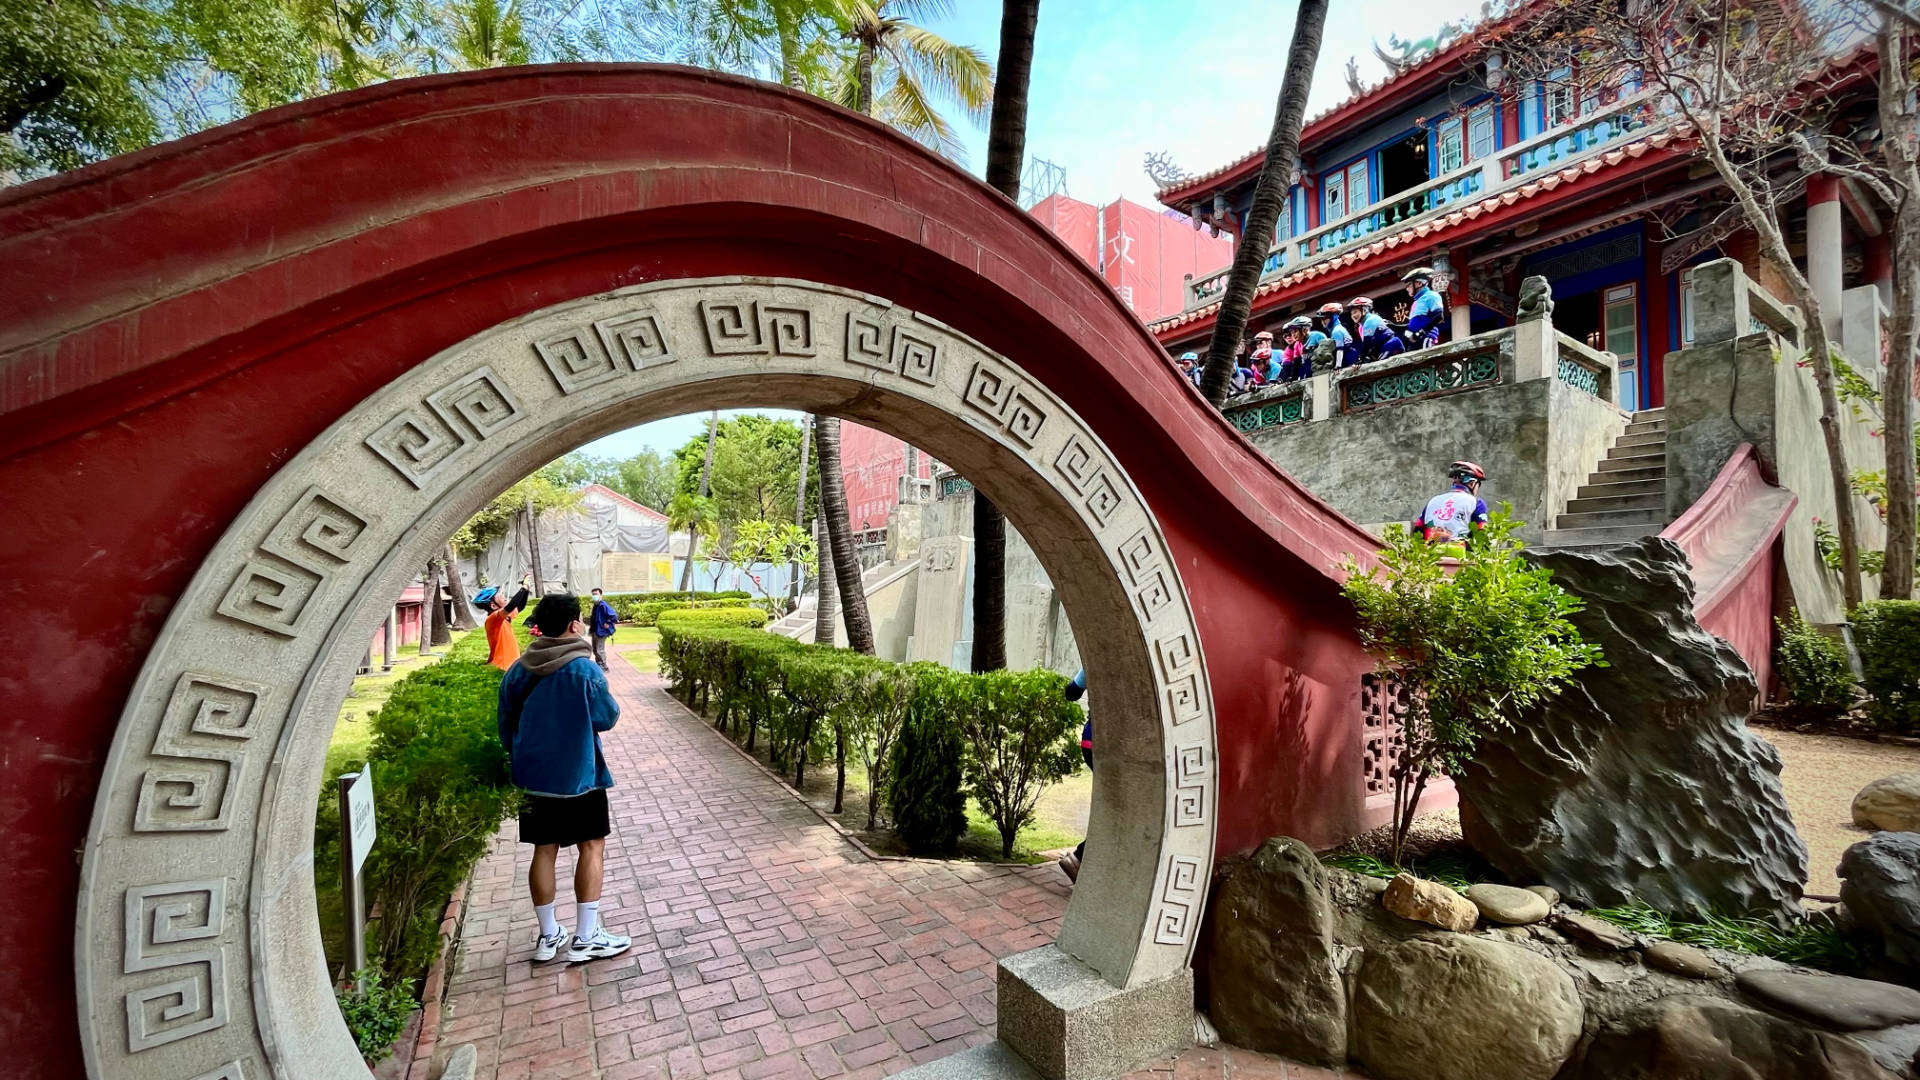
[(566, 822)]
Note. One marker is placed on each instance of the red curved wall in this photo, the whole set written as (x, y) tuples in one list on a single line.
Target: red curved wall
[(176, 323)]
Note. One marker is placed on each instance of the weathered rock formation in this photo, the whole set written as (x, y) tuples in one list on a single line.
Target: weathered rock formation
[(1891, 802), (1452, 1007), (1641, 780), (1703, 1038), (1275, 986), (1880, 887)]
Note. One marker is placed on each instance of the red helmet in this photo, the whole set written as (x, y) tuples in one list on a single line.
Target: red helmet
[(1361, 302), (1466, 470), (1331, 309)]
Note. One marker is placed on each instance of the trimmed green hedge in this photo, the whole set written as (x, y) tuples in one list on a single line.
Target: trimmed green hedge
[(1887, 633), (649, 614), (441, 790), (749, 617), (628, 605), (928, 736)]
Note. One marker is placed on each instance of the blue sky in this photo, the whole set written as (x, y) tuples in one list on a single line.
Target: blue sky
[(1116, 79)]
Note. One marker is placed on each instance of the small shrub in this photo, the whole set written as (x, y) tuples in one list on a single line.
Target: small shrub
[(746, 617), (1021, 734), (1887, 633), (377, 1014), (1813, 670), (926, 796)]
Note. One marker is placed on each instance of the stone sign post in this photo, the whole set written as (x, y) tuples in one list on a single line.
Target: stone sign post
[(356, 840)]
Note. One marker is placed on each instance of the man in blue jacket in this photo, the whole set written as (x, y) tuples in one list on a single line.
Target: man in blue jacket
[(554, 703), (600, 625)]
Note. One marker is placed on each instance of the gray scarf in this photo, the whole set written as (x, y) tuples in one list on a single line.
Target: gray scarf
[(546, 655)]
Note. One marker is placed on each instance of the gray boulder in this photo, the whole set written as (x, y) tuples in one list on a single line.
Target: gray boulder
[(1451, 1007), (1273, 982), (1703, 1038), (1880, 886), (1640, 781), (1836, 1001)]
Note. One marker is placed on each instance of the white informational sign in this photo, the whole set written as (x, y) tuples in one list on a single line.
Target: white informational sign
[(357, 816)]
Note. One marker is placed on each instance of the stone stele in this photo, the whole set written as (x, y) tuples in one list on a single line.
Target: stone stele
[(1641, 780), (1273, 985), (1452, 1007)]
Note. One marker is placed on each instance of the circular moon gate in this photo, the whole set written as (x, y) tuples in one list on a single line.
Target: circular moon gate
[(198, 953)]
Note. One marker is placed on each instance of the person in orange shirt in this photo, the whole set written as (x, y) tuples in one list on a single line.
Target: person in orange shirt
[(503, 648)]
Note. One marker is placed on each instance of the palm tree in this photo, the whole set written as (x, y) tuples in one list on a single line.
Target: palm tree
[(1276, 175), (897, 69), (695, 515), (1006, 146), (846, 568), (706, 478), (482, 34)]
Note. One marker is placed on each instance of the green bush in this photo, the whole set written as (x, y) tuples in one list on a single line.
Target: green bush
[(628, 606), (649, 614), (748, 617), (909, 723), (1887, 633), (1813, 670), (926, 794), (377, 1014)]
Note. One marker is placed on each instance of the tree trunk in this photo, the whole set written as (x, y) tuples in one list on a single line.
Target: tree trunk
[(1897, 117), (1006, 150), (800, 509), (429, 607), (462, 607), (442, 633), (533, 550), (1276, 176), (706, 476), (826, 608), (839, 766), (800, 768), (789, 30), (1773, 244), (863, 73), (833, 507), (989, 585)]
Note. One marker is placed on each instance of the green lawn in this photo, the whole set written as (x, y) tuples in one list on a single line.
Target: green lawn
[(645, 660)]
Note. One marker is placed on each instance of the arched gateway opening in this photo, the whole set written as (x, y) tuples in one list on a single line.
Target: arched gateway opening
[(198, 863), (248, 377)]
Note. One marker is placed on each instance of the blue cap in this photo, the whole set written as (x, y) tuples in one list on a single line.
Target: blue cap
[(1189, 356), (485, 596)]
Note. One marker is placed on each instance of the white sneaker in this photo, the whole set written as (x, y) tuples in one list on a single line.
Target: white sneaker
[(549, 945), (598, 947)]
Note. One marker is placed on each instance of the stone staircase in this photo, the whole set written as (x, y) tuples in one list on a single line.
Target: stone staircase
[(798, 623), (1626, 498)]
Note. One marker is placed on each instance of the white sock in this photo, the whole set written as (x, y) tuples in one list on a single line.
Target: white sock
[(549, 925), (587, 913)]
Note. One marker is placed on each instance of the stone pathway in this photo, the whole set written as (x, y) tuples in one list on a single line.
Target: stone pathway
[(1231, 1063), (764, 944)]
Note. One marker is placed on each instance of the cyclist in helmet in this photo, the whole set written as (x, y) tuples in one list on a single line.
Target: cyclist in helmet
[(1346, 351), (1296, 363), (1373, 334), (1190, 367), (1455, 515), (1428, 313)]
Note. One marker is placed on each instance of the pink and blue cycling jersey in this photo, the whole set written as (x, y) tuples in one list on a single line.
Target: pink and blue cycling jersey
[(1453, 513)]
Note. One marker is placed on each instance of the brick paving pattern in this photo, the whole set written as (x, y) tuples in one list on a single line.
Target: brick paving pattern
[(764, 945)]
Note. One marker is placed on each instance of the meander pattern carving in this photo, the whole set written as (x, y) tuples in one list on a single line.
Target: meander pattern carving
[(1361, 391), (310, 562)]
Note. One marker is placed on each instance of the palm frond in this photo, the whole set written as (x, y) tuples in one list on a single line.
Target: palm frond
[(961, 73), (904, 107)]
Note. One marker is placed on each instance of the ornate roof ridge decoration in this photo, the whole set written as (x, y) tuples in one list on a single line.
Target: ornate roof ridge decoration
[(1548, 181)]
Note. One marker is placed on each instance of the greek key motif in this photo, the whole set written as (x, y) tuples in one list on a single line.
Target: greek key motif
[(1176, 655), (575, 360), (1137, 556), (1183, 699), (916, 357), (866, 344), (1024, 419), (992, 392), (741, 327), (988, 390), (636, 338), (420, 443), (1179, 901), (176, 925), (898, 351), (1077, 464), (206, 720), (1192, 778), (1154, 595), (305, 547), (1103, 500)]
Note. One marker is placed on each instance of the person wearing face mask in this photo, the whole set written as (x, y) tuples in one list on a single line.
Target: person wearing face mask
[(600, 624)]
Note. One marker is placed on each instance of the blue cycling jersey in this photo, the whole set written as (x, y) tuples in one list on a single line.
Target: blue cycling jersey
[(1424, 321)]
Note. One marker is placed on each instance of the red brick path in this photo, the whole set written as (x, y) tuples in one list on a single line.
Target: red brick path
[(764, 944)]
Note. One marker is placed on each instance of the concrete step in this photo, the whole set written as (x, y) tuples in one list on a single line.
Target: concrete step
[(1605, 504), (1641, 427), (1608, 518), (1651, 414), (1609, 485), (1633, 460), (1601, 536), (1650, 438)]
